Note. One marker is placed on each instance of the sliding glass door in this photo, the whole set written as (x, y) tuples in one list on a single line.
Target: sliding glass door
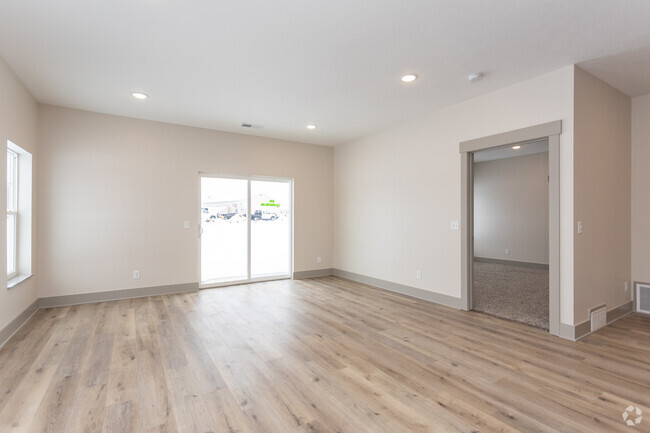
[(224, 232), (238, 245), (270, 228)]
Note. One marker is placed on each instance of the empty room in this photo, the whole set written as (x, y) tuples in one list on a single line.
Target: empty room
[(325, 217), (510, 213)]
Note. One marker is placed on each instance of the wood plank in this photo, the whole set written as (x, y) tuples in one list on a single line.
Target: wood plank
[(316, 356)]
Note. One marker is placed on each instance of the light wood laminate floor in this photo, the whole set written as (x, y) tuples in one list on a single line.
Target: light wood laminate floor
[(321, 355)]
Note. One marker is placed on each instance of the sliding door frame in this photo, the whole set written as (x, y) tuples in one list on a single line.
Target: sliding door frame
[(249, 179), (551, 131)]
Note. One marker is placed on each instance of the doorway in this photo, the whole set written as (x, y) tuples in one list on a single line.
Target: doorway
[(246, 229), (550, 131), (510, 243)]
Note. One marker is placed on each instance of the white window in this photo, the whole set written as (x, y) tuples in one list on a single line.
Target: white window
[(19, 214), (12, 211)]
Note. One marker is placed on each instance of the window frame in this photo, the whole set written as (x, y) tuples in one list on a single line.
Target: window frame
[(12, 211)]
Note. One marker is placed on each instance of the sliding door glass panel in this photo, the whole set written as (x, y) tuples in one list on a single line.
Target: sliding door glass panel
[(270, 228), (224, 238)]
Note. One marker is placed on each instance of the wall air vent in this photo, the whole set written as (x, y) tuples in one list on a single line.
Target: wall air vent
[(643, 298), (598, 317)]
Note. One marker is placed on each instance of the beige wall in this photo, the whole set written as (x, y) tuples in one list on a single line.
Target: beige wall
[(115, 192), (640, 189), (602, 159), (511, 208), (18, 117), (396, 191)]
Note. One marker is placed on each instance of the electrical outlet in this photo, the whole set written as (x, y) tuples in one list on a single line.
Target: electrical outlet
[(627, 285), (507, 251), (186, 224), (418, 275), (454, 225), (319, 259), (136, 275)]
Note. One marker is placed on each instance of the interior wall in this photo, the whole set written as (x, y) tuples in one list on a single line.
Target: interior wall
[(18, 123), (511, 208), (602, 198), (397, 190), (640, 188), (115, 192)]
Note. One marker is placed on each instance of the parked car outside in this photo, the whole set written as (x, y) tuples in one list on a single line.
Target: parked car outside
[(226, 216), (259, 215)]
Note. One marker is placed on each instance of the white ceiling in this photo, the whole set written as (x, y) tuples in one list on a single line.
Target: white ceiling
[(504, 152), (285, 63)]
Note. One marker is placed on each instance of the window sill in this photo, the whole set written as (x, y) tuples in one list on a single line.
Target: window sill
[(17, 280)]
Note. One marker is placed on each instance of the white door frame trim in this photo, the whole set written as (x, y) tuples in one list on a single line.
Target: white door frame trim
[(552, 131)]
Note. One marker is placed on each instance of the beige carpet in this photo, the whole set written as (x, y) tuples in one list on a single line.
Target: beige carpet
[(512, 291)]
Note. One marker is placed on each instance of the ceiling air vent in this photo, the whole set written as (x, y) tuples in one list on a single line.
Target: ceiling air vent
[(251, 125)]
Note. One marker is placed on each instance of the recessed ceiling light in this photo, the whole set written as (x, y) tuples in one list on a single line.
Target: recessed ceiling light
[(516, 147), (139, 95), (473, 78), (409, 78), (311, 126)]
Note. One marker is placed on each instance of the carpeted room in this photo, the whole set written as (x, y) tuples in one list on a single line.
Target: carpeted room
[(511, 243)]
